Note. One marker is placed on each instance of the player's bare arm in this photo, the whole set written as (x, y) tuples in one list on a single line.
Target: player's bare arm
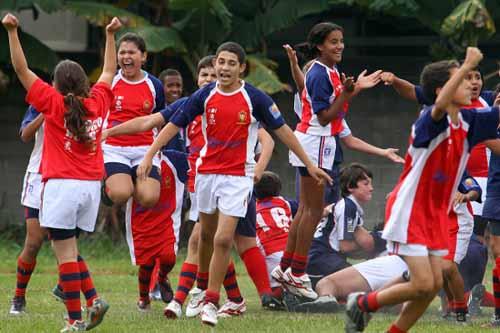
[(297, 75), (109, 67), (267, 143), (135, 125), (28, 133), (404, 88), (355, 143)]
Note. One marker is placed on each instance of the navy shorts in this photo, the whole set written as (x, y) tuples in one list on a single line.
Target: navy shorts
[(473, 266), (113, 168), (332, 192), (31, 213), (246, 225), (321, 264), (62, 234)]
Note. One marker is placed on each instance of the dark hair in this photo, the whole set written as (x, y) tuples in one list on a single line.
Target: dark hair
[(435, 75), (169, 72), (233, 48), (351, 175), (72, 82), (205, 62), (133, 38), (269, 185), (316, 37)]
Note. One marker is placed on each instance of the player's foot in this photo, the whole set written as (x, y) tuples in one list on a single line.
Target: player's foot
[(77, 326), (144, 305), (356, 320), (209, 314), (323, 304), (461, 317), (495, 322), (17, 306), (173, 310), (96, 313), (166, 291), (155, 294), (58, 294), (232, 309), (299, 285), (475, 299), (195, 303), (277, 274), (270, 302)]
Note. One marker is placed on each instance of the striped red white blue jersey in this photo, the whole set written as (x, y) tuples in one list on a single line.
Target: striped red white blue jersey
[(434, 165), (322, 86), (35, 162), (479, 159), (229, 123)]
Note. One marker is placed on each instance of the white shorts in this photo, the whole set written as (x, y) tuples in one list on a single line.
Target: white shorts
[(130, 156), (477, 207), (229, 194), (194, 214), (70, 204), (413, 250), (319, 149), (32, 190), (378, 271), (272, 261)]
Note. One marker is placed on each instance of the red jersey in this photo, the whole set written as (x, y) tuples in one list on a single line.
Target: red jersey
[(195, 142), (63, 156), (273, 218), (480, 154), (134, 99)]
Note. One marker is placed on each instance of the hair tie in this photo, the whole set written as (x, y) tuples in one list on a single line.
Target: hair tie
[(70, 95)]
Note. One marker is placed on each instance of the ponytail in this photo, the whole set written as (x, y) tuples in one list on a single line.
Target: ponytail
[(75, 117)]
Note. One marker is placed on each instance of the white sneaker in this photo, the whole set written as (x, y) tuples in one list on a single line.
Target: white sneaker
[(277, 274), (209, 314), (195, 303), (232, 309), (173, 310), (299, 285)]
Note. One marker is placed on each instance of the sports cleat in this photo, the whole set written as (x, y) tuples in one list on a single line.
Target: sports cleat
[(270, 302), (17, 306), (232, 309), (299, 285), (173, 310), (209, 314), (475, 299), (166, 292), (144, 305), (96, 313), (461, 317), (77, 326), (58, 294), (323, 304), (195, 303), (356, 320), (277, 274), (155, 294)]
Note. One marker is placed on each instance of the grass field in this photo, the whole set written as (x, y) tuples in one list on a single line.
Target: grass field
[(115, 279)]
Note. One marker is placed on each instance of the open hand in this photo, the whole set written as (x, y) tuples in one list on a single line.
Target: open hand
[(391, 153), (367, 81), (319, 175), (348, 83), (10, 22), (144, 168)]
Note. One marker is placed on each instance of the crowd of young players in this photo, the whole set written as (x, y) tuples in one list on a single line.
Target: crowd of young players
[(294, 250)]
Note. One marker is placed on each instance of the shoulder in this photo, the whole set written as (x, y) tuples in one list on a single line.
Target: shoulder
[(154, 79), (256, 95)]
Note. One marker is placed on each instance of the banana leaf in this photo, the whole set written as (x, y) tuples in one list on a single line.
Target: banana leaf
[(262, 75)]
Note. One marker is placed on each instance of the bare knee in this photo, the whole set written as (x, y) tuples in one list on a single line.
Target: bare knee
[(119, 195), (324, 287), (148, 200), (425, 288), (223, 242)]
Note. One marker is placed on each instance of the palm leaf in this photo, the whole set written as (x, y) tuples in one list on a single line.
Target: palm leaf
[(262, 75), (159, 38), (216, 8), (100, 13), (470, 18)]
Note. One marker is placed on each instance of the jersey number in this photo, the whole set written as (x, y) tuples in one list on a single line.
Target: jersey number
[(280, 218)]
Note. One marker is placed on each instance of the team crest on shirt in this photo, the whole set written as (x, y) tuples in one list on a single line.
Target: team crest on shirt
[(351, 225), (146, 105), (211, 116), (168, 182), (242, 118)]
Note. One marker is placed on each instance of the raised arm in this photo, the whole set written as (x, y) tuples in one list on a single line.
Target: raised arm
[(25, 75), (297, 74), (109, 67), (135, 125), (28, 132), (267, 143), (355, 143), (404, 88)]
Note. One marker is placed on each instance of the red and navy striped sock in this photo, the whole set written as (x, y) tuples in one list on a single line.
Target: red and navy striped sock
[(459, 306), (24, 271), (144, 278), (286, 260), (167, 262), (69, 274), (231, 284), (88, 288), (299, 264), (496, 287), (257, 269), (187, 277), (202, 280), (368, 302), (212, 297)]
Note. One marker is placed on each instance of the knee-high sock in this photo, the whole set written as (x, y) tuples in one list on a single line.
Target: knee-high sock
[(187, 277), (257, 269), (69, 274), (88, 288), (24, 271)]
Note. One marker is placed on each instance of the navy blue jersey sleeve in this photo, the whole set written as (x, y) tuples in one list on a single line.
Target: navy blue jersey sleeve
[(170, 109), (421, 99), (425, 129), (319, 88), (29, 116), (483, 124), (159, 93), (294, 206), (468, 183), (192, 107), (488, 96), (180, 163), (264, 108), (346, 217)]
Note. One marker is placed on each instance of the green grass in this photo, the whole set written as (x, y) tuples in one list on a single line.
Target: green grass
[(115, 279)]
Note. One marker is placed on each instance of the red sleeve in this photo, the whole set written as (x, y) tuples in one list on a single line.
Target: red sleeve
[(44, 97), (102, 94)]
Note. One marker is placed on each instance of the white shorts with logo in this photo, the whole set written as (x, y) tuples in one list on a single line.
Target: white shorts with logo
[(319, 149), (32, 190), (272, 261), (70, 204), (477, 207), (379, 271), (229, 194), (413, 250), (130, 156), (194, 214)]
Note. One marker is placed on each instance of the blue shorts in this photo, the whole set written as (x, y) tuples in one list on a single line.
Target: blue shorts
[(31, 213), (246, 225), (473, 266), (321, 264), (332, 192), (113, 168), (491, 208)]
